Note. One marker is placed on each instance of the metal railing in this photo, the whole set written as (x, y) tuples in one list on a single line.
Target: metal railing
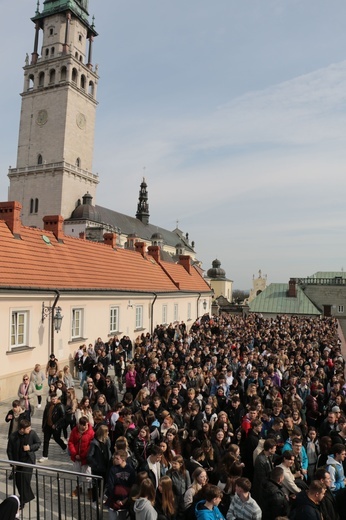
[(338, 280), (59, 494)]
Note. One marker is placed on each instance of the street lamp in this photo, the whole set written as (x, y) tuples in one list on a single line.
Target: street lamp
[(57, 318)]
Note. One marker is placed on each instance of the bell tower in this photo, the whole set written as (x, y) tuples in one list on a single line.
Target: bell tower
[(57, 121)]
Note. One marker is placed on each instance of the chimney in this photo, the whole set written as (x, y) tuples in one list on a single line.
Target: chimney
[(10, 213), (184, 260), (292, 288), (110, 239), (140, 248), (55, 224), (154, 251), (82, 235)]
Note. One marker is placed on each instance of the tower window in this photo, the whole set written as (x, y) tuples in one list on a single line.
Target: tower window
[(91, 88), (76, 55), (39, 159), (33, 205), (41, 79), (63, 74), (81, 58), (82, 82), (47, 52), (80, 38), (74, 75), (52, 51), (51, 31), (52, 76), (78, 162), (31, 82)]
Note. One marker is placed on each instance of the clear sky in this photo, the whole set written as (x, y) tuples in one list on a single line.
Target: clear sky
[(237, 111)]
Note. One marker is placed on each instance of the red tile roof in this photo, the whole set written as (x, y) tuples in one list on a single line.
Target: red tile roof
[(192, 281), (31, 262)]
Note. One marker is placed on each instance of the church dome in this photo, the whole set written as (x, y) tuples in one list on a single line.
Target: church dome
[(216, 271), (156, 236), (86, 211)]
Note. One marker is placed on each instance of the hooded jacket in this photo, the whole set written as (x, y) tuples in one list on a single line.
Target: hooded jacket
[(306, 509), (79, 443), (336, 471), (144, 510), (207, 514), (202, 513)]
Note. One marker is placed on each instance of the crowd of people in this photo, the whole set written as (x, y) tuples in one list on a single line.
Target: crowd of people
[(240, 418)]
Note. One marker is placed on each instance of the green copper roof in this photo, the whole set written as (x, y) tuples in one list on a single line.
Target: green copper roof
[(274, 300), (78, 7), (328, 274)]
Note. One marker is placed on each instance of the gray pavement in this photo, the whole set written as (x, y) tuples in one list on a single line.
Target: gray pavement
[(56, 459)]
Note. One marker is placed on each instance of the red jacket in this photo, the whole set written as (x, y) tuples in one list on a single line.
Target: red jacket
[(78, 443)]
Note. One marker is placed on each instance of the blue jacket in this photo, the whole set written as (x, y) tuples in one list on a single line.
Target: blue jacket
[(207, 514), (303, 454)]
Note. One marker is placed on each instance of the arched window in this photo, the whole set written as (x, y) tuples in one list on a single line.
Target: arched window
[(31, 205), (39, 159), (52, 76), (74, 75), (81, 58), (52, 51), (47, 52), (91, 88), (63, 73), (82, 82), (41, 79), (31, 82), (51, 31), (36, 205), (78, 162), (76, 55)]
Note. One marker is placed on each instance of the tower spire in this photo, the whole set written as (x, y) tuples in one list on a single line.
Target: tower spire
[(143, 206)]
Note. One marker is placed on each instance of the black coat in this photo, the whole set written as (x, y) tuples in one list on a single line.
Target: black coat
[(306, 509), (15, 443), (274, 501), (98, 458), (58, 416)]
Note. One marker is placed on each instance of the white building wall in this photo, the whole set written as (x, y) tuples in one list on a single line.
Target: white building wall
[(96, 322)]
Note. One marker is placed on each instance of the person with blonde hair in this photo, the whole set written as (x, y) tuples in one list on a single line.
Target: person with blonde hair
[(199, 479), (98, 458), (27, 394), (37, 377), (67, 377), (144, 501), (165, 499), (181, 481)]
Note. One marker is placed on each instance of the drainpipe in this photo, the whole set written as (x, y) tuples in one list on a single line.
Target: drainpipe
[(152, 314), (199, 297)]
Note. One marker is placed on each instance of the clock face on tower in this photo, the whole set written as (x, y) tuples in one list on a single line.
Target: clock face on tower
[(81, 120), (42, 117)]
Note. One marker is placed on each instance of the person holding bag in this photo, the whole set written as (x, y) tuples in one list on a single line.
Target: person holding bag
[(37, 377), (27, 394)]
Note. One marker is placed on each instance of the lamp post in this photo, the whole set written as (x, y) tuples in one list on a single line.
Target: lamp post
[(56, 319)]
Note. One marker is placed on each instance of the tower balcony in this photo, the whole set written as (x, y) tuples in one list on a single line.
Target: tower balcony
[(49, 168)]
